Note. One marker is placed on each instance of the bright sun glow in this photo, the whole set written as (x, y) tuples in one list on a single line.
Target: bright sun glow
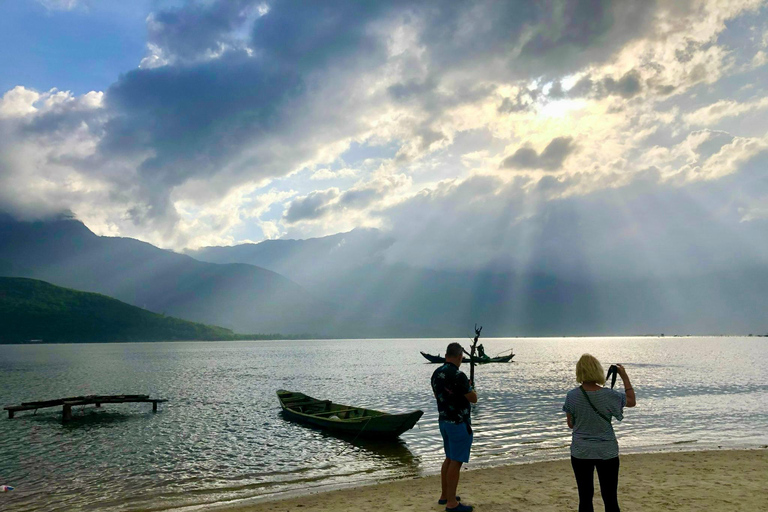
[(560, 108)]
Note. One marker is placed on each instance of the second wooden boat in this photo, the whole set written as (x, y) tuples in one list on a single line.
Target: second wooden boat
[(345, 419), (477, 360)]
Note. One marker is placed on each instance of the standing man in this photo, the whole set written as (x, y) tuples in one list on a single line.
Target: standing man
[(453, 392)]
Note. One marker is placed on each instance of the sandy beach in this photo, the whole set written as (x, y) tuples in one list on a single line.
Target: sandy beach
[(732, 480)]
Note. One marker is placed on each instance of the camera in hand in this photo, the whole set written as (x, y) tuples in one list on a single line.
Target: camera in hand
[(612, 372)]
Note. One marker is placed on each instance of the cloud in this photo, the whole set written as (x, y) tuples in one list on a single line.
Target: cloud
[(237, 99), (200, 30), (760, 59), (44, 139), (59, 5), (310, 207), (707, 143), (19, 101), (327, 174), (714, 113), (627, 86), (550, 159), (321, 204)]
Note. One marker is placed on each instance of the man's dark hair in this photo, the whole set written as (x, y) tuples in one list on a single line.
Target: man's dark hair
[(454, 350)]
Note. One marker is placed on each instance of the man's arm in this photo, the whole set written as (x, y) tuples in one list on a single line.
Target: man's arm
[(569, 418), (466, 384)]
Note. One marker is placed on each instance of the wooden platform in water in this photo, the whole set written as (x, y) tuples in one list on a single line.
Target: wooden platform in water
[(69, 402)]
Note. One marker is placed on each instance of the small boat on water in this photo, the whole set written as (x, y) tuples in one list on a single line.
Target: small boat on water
[(345, 419), (477, 360)]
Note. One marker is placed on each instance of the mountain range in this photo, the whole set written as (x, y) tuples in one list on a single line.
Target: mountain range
[(343, 286), (240, 297), (374, 297)]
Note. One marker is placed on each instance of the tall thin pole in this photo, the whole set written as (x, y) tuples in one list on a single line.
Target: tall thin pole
[(472, 355)]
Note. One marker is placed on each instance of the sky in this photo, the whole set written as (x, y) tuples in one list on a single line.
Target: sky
[(621, 138)]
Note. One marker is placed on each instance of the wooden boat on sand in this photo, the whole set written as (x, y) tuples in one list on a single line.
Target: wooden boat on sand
[(477, 360), (345, 419)]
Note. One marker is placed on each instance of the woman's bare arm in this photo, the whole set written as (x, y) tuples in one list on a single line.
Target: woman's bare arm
[(628, 389)]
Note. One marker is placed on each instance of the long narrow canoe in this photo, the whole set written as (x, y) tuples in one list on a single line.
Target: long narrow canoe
[(440, 359), (345, 419)]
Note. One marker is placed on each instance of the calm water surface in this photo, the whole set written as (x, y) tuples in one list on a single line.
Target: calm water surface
[(221, 438)]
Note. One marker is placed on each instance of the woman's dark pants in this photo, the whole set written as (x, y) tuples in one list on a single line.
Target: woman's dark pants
[(607, 473)]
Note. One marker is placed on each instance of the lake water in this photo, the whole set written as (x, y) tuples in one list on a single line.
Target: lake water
[(221, 437)]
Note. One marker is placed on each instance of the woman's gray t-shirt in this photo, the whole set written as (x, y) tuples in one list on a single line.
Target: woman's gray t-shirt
[(593, 437)]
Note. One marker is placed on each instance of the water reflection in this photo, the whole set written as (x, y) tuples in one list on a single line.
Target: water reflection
[(395, 453)]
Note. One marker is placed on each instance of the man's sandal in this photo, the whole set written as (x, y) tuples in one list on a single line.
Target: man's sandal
[(460, 508), (443, 502)]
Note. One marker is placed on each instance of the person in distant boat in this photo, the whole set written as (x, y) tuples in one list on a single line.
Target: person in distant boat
[(481, 352), (589, 409), (453, 392)]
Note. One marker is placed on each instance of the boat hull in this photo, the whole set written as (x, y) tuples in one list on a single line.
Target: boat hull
[(440, 360), (345, 419)]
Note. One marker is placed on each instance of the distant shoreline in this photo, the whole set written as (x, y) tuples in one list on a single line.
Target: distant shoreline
[(299, 337)]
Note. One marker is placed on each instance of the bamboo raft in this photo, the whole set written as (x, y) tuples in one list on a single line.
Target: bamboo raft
[(68, 403)]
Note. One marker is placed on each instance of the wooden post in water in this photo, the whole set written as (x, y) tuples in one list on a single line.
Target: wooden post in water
[(154, 405)]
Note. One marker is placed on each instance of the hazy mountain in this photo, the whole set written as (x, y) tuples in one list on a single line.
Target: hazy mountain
[(237, 296), (376, 299), (36, 310), (342, 286), (311, 261)]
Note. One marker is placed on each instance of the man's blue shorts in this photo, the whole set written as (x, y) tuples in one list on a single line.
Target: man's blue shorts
[(457, 440)]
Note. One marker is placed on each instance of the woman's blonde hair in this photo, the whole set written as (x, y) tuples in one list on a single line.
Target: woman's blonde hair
[(588, 369)]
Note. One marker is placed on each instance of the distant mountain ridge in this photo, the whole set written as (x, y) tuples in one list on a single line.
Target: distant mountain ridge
[(307, 261), (374, 298), (342, 286), (32, 310), (236, 296)]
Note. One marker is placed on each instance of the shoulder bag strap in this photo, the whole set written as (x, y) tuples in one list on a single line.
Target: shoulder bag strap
[(606, 418)]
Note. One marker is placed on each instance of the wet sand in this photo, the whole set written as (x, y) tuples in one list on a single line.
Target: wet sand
[(728, 480)]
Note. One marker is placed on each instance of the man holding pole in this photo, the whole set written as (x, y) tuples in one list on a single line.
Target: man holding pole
[(453, 392)]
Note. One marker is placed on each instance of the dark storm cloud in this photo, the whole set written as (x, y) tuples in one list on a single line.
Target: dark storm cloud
[(247, 97), (191, 31), (522, 101), (581, 22), (194, 119), (311, 207), (627, 86), (308, 35), (550, 159), (359, 198), (405, 91), (562, 36), (195, 115)]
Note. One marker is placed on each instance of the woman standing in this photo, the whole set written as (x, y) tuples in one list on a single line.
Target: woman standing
[(589, 409)]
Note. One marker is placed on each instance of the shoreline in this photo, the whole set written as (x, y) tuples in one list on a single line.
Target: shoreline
[(289, 337), (684, 480)]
